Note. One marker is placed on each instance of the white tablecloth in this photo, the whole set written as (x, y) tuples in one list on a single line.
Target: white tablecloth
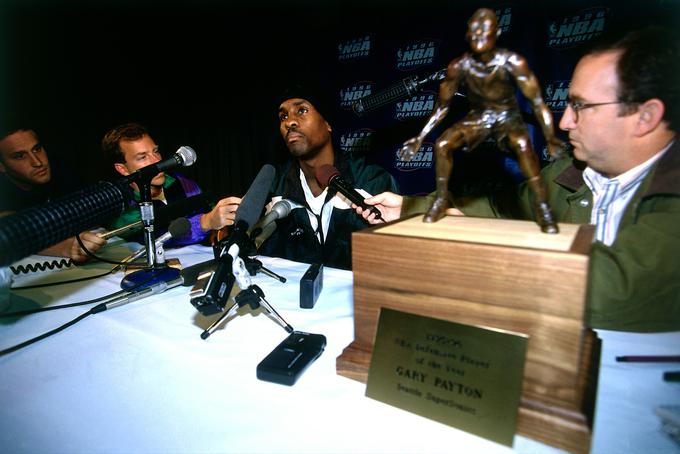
[(139, 378)]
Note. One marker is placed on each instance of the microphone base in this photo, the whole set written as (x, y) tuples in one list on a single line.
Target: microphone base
[(142, 279)]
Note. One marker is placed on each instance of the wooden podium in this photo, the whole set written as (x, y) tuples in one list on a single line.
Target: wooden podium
[(493, 273)]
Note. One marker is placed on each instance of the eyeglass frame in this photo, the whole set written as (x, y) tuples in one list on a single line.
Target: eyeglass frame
[(577, 106)]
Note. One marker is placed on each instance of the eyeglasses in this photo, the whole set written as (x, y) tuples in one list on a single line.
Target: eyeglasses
[(577, 106)]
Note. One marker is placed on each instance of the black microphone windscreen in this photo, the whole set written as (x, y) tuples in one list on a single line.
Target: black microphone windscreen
[(252, 203), (179, 227)]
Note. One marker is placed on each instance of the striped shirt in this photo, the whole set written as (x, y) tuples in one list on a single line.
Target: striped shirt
[(611, 196)]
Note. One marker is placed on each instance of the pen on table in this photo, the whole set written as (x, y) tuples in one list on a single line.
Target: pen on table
[(649, 359), (673, 375)]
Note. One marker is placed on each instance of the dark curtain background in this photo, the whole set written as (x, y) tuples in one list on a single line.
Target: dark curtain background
[(203, 74), (206, 73)]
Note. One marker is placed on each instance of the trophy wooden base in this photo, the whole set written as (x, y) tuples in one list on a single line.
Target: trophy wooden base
[(494, 273)]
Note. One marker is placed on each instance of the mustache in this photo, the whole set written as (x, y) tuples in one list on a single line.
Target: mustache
[(294, 131)]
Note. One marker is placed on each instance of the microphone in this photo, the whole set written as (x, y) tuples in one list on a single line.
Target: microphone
[(184, 156), (33, 229), (329, 176), (405, 88), (280, 210), (248, 212), (177, 228), (402, 89), (166, 213), (153, 289), (265, 227), (187, 277), (252, 203), (213, 292)]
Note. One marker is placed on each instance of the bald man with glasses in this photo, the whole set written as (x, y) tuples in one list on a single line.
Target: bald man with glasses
[(624, 177)]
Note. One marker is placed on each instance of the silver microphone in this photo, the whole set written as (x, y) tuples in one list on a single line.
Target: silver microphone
[(265, 226), (130, 297), (186, 154), (279, 210)]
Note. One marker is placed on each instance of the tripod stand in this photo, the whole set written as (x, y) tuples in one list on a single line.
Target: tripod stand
[(254, 297), (250, 294)]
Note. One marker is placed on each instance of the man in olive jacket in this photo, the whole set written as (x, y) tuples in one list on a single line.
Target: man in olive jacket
[(624, 177)]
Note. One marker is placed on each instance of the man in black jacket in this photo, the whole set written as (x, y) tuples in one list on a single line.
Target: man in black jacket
[(320, 225)]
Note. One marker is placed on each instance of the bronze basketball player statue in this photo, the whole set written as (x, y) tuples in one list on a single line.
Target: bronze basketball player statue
[(490, 75)]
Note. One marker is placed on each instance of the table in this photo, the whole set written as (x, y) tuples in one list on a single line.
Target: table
[(139, 378), (629, 393)]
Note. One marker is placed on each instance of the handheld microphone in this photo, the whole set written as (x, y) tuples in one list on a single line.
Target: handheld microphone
[(184, 156), (327, 175), (165, 214), (177, 228)]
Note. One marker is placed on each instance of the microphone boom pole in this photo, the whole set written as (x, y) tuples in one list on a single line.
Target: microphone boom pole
[(400, 90), (32, 230)]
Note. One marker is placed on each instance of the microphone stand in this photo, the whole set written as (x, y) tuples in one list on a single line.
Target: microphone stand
[(252, 264), (250, 294), (156, 268), (250, 248), (147, 214)]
